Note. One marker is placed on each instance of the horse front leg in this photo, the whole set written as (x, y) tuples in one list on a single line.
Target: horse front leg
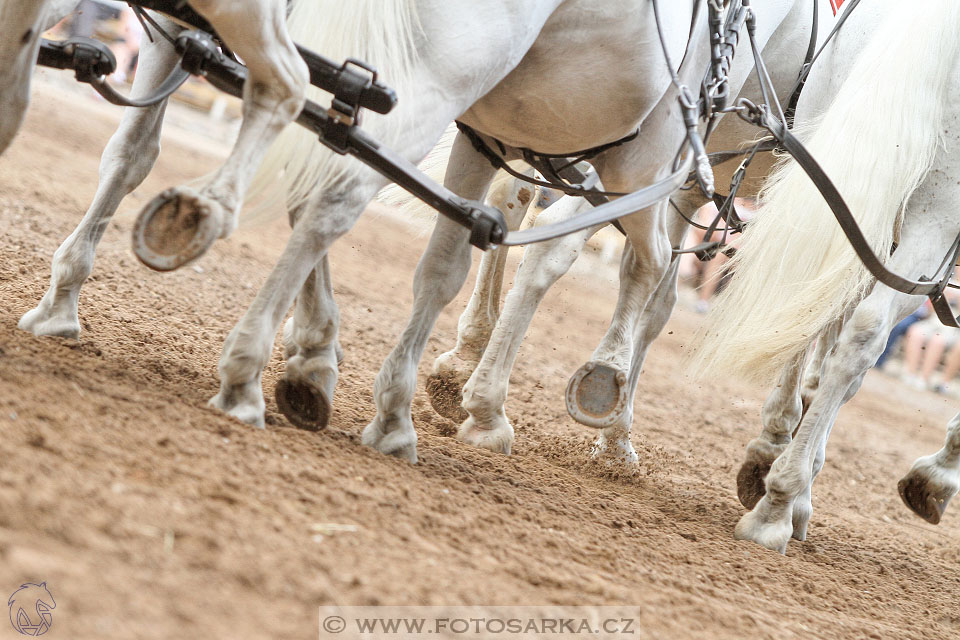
[(440, 273), (452, 369), (485, 393), (127, 160), (180, 225), (599, 394)]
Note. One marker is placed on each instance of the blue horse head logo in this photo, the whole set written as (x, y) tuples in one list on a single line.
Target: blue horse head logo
[(30, 607)]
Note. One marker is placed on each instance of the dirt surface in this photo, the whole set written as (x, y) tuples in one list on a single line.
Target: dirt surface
[(151, 516)]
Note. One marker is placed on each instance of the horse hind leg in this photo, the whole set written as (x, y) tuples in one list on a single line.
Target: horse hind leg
[(305, 392), (780, 513), (180, 225), (127, 159), (440, 274), (485, 392), (933, 480), (326, 216), (599, 394), (452, 369)]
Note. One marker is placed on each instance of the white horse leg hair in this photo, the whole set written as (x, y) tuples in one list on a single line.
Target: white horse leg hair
[(452, 369), (127, 159), (273, 96), (440, 274)]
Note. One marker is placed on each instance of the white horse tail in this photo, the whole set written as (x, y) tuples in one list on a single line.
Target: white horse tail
[(379, 32), (795, 271)]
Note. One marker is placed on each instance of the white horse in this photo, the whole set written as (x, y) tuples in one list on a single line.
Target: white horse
[(273, 96), (885, 137), (496, 81), (505, 66), (601, 393), (493, 79)]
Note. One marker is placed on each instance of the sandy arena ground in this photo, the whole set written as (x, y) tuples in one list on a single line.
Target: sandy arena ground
[(152, 516)]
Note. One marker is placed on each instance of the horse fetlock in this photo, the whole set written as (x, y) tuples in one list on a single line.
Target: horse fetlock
[(771, 532), (52, 318)]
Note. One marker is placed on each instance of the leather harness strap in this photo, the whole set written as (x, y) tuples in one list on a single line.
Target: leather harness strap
[(930, 287), (542, 162)]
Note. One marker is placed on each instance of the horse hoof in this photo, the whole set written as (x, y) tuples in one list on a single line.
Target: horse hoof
[(916, 493), (773, 535), (175, 228), (498, 439), (399, 443), (306, 403), (597, 395), (750, 487), (445, 391)]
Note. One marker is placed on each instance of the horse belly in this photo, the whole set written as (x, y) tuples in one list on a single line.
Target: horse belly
[(595, 72)]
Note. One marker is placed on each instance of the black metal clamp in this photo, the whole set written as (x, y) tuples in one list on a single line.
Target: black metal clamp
[(344, 111), (87, 58)]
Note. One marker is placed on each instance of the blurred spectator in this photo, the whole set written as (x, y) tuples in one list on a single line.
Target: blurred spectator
[(709, 274), (112, 22), (925, 343), (899, 330), (127, 45)]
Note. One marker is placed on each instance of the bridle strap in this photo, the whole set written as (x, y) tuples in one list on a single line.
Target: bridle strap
[(808, 63), (930, 287)]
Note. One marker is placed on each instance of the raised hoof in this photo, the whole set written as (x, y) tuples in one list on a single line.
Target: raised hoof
[(750, 487), (305, 404), (597, 395), (446, 395), (176, 227), (917, 493)]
